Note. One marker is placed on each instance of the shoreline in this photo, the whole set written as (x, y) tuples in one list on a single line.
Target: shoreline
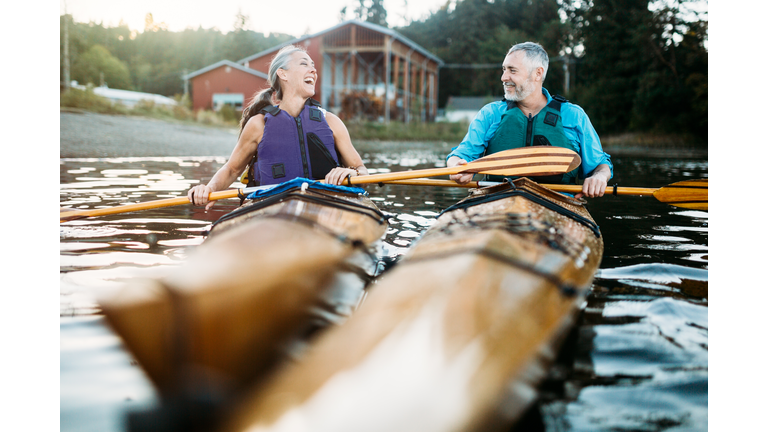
[(87, 134)]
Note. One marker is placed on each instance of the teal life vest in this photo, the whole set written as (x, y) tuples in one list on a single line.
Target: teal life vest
[(545, 128)]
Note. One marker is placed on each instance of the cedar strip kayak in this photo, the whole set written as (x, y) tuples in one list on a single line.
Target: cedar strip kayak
[(286, 263), (457, 335)]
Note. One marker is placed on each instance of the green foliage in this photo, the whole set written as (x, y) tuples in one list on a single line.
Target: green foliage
[(481, 32), (98, 66), (89, 101), (643, 69), (615, 55), (213, 118), (229, 113), (638, 65), (156, 58), (377, 14), (372, 11)]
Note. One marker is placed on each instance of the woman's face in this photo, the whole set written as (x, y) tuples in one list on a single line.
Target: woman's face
[(301, 75)]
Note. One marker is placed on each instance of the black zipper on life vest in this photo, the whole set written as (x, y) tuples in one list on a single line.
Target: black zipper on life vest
[(302, 146), (529, 131)]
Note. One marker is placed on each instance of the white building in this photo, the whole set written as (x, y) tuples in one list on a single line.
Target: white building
[(127, 97), (464, 108)]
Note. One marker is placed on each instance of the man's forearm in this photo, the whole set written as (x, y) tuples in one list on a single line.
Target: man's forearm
[(602, 170)]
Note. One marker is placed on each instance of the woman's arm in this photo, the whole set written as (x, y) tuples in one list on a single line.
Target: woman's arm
[(350, 160), (231, 170)]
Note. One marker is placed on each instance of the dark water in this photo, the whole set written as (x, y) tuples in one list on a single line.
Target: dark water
[(637, 361)]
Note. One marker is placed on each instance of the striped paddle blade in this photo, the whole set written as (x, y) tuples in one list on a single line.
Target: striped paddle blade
[(520, 162), (526, 161)]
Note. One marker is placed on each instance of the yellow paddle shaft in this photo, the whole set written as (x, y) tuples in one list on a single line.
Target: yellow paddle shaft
[(574, 189), (170, 202)]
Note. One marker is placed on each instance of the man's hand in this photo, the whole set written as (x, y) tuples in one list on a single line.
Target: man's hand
[(594, 185), (461, 179)]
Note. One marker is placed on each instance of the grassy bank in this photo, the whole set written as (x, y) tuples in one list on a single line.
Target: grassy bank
[(417, 131), (86, 100)]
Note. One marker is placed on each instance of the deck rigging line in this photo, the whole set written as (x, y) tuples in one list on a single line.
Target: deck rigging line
[(473, 201)]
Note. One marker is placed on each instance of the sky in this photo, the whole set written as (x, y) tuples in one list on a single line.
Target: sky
[(293, 17)]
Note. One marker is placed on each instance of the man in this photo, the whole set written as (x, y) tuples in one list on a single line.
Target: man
[(530, 116)]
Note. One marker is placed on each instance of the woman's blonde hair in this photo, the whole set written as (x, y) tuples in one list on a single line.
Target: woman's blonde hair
[(265, 97)]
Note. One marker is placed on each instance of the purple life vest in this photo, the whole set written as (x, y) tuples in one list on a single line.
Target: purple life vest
[(295, 147)]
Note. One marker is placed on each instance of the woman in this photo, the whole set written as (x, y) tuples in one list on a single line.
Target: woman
[(295, 138)]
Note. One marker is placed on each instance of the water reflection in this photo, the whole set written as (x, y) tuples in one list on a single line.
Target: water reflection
[(638, 359)]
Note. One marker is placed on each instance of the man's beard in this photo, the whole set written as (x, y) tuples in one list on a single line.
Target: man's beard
[(521, 91)]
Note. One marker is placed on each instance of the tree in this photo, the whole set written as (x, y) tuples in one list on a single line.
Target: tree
[(672, 95), (643, 66), (376, 13), (157, 58), (612, 33), (242, 21), (97, 66), (372, 11), (481, 32)]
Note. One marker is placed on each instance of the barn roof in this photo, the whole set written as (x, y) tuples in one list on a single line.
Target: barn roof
[(225, 63), (375, 27)]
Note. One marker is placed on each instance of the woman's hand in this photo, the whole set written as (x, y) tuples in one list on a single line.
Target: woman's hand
[(198, 195), (338, 175)]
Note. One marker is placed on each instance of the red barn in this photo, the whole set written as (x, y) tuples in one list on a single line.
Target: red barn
[(224, 82), (355, 60)]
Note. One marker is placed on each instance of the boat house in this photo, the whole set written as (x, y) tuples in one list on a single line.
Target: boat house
[(363, 68)]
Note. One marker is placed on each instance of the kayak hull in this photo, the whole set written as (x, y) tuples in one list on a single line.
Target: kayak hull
[(269, 275), (457, 335)]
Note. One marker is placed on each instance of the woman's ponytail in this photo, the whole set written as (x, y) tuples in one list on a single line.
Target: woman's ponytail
[(260, 101)]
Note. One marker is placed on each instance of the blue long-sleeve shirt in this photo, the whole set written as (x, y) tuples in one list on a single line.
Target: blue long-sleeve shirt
[(576, 125)]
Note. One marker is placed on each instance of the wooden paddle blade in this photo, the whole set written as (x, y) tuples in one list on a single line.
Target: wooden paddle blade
[(520, 162), (690, 194), (526, 161)]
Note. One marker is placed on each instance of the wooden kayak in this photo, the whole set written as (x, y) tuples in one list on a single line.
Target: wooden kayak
[(457, 335), (289, 261)]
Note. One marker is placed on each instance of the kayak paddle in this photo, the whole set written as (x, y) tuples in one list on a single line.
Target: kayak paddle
[(169, 202), (690, 194), (519, 162), (525, 161)]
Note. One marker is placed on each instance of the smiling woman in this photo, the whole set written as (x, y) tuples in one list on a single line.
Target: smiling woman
[(285, 134)]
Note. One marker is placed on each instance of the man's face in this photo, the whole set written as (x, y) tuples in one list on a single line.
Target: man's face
[(516, 78)]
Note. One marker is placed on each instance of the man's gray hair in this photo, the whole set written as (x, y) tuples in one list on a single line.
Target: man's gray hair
[(535, 56)]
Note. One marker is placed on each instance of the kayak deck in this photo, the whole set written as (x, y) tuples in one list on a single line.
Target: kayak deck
[(457, 335), (270, 273)]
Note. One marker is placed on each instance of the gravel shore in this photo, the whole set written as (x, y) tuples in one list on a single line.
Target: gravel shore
[(102, 135)]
